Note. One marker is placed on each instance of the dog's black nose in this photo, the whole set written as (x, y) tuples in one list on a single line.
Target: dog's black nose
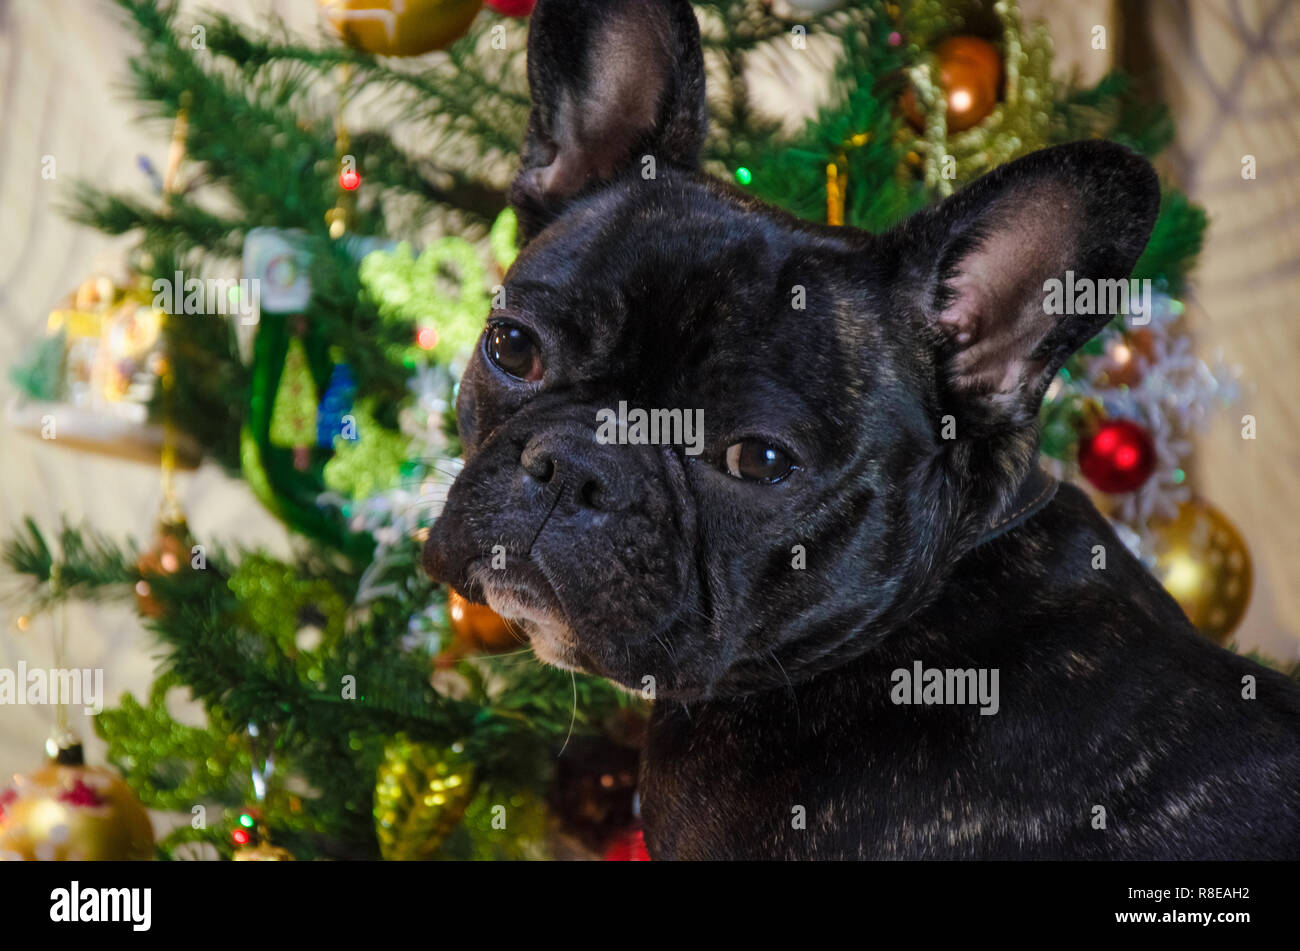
[(583, 469)]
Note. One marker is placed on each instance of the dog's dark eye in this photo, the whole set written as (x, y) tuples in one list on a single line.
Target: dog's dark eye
[(514, 351), (757, 461)]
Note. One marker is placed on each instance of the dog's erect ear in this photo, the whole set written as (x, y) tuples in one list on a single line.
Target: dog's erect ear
[(611, 81), (980, 263)]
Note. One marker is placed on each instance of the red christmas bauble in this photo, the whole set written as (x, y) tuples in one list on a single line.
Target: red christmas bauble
[(512, 8), (627, 846), (350, 180), (1119, 457)]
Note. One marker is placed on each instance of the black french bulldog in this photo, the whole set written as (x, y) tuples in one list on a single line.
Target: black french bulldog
[(829, 538)]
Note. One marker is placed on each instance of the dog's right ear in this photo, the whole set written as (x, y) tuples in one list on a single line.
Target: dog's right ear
[(611, 81), (979, 266)]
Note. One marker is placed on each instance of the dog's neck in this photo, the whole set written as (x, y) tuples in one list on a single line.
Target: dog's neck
[(1035, 492)]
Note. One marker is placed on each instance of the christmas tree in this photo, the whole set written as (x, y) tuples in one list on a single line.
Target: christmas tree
[(355, 710)]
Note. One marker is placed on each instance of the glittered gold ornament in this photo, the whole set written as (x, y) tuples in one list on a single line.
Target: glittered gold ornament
[(421, 794), (169, 553), (1203, 561), (67, 811), (265, 852), (970, 70), (400, 27)]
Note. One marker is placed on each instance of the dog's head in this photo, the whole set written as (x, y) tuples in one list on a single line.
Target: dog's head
[(867, 400)]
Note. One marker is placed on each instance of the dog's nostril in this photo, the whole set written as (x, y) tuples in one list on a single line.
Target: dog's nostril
[(589, 494), (539, 465)]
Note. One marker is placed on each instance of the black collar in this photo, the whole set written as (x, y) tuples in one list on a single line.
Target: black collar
[(1034, 493)]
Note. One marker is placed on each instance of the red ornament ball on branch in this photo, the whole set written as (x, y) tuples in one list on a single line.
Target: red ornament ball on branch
[(350, 179), (627, 846), (1119, 457), (512, 8)]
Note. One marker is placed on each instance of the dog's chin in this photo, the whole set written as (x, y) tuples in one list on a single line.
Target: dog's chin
[(549, 634), (534, 609)]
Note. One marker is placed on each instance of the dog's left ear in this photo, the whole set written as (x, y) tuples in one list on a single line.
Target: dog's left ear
[(611, 81), (978, 266)]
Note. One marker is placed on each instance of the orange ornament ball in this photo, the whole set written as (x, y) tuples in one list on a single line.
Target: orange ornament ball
[(1127, 358), (479, 628), (169, 553), (970, 73)]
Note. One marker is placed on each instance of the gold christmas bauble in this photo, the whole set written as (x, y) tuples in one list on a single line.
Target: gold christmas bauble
[(400, 27), (67, 813), (263, 852), (1203, 561), (421, 794)]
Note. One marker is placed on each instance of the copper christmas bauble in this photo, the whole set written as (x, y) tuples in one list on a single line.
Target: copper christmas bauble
[(478, 628), (169, 553), (970, 71), (1126, 358)]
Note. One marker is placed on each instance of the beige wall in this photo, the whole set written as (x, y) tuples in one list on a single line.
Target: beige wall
[(62, 75)]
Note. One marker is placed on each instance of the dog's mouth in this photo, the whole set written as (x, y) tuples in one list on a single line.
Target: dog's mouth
[(524, 596)]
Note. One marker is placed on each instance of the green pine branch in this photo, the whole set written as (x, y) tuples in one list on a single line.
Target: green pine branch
[(86, 566)]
